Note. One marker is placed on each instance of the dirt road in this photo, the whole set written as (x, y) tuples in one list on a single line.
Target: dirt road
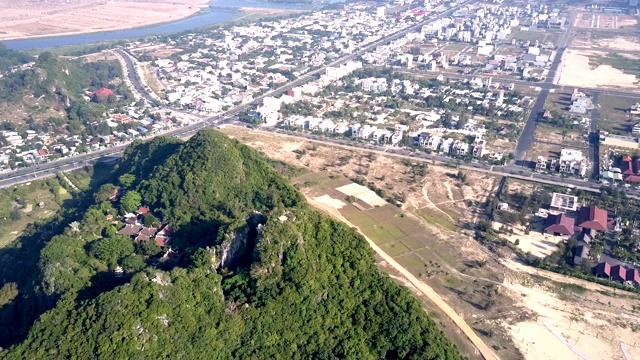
[(484, 350)]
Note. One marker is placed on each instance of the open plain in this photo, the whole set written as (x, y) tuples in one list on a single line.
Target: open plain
[(23, 19)]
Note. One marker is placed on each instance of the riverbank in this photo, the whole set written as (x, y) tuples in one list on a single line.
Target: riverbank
[(21, 23), (93, 43)]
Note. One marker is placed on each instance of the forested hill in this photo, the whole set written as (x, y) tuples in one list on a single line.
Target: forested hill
[(253, 271)]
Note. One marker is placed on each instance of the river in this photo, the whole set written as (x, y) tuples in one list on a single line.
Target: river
[(204, 18)]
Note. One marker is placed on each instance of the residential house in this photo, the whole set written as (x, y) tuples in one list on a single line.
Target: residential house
[(603, 270), (564, 202), (592, 217), (446, 146), (580, 102), (618, 273), (633, 276), (146, 233), (559, 225), (163, 237), (581, 254), (130, 230), (434, 142), (479, 149), (460, 148), (541, 164), (572, 161)]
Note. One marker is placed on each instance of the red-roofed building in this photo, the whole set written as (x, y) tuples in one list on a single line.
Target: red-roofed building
[(626, 166), (618, 273), (592, 217), (633, 276), (603, 270), (560, 224), (101, 94), (163, 237), (143, 210)]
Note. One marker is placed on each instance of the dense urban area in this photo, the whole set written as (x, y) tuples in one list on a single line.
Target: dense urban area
[(486, 152)]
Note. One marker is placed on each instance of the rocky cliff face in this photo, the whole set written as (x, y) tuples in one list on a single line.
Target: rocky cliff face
[(238, 247)]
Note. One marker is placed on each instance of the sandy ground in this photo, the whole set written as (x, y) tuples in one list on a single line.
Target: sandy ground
[(484, 350), (620, 43), (593, 323), (577, 72), (21, 20), (536, 243)]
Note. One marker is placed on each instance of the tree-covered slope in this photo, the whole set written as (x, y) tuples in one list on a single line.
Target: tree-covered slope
[(259, 274)]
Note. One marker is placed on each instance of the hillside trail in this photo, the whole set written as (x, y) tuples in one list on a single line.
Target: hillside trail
[(425, 289)]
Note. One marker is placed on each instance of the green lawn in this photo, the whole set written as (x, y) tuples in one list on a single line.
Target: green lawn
[(411, 262), (433, 216), (395, 248)]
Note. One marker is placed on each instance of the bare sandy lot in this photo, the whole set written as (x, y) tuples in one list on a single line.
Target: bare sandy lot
[(571, 318), (21, 20), (576, 71), (536, 243), (625, 44), (620, 43)]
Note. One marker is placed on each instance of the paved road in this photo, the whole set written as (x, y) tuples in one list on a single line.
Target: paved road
[(66, 164), (133, 74), (526, 137), (594, 139)]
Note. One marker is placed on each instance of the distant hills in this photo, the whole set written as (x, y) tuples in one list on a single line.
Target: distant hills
[(250, 271)]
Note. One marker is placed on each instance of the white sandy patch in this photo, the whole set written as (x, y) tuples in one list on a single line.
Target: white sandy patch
[(620, 43), (362, 193), (536, 243), (588, 330), (329, 201), (576, 72)]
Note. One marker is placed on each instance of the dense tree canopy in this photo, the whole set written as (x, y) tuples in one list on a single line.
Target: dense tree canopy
[(259, 274)]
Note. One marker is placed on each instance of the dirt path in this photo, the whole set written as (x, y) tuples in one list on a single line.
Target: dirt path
[(425, 289), (426, 196), (449, 192), (73, 186)]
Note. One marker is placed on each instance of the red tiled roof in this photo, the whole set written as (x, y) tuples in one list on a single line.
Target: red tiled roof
[(143, 210), (618, 272), (130, 230), (142, 237), (626, 167), (632, 178), (603, 269), (593, 217), (162, 241), (633, 275), (103, 92), (560, 224)]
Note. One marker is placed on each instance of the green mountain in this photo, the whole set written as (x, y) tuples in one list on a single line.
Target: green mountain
[(254, 272)]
